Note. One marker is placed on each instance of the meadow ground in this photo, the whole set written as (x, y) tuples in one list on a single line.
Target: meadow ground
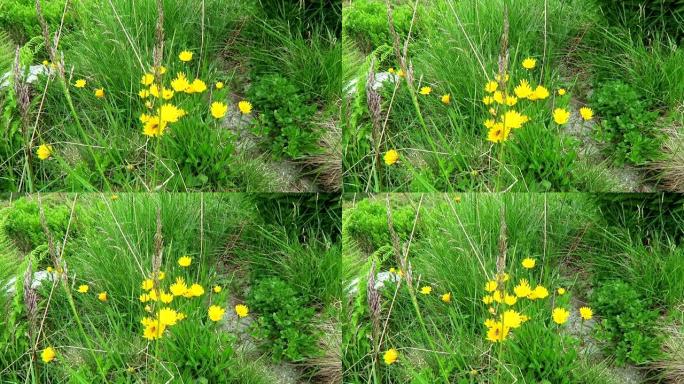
[(501, 95), (218, 95), (527, 288), (159, 288)]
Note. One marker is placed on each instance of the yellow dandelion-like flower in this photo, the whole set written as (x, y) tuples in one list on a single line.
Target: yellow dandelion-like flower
[(180, 83), (219, 85), (390, 356), (586, 113), (185, 56), (529, 63), (426, 290), (560, 315), (167, 94), (217, 289), (83, 288), (446, 297), (487, 299), (498, 96), (179, 287), (491, 286), (48, 354), (144, 298), (497, 332), (391, 157), (510, 299), (154, 330), (165, 298), (523, 288), (491, 86), (154, 127), (425, 91), (523, 90), (489, 123), (540, 93), (511, 319), (446, 99), (102, 296), (218, 110), (498, 133), (147, 79), (80, 83), (487, 100), (241, 310), (513, 119), (561, 116), (185, 261), (100, 93), (197, 86), (561, 91), (245, 107), (561, 291), (586, 313), (144, 93), (529, 263), (168, 316), (44, 151), (216, 313), (147, 284), (539, 292)]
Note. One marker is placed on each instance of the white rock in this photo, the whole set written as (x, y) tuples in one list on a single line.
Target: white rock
[(34, 72), (380, 79), (38, 278)]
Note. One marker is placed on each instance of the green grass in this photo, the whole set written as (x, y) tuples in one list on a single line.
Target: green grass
[(455, 50), (115, 251), (99, 143), (459, 250)]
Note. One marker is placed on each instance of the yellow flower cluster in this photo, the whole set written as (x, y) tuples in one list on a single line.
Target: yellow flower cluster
[(156, 124), (500, 100)]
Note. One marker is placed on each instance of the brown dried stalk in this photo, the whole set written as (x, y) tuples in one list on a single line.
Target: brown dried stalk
[(158, 249)]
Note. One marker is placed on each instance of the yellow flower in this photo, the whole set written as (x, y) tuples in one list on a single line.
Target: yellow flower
[(497, 77), (180, 83), (44, 151), (217, 289), (102, 296), (165, 298), (391, 70), (523, 90), (491, 86), (513, 120), (167, 94), (197, 86), (147, 284), (245, 107), (498, 97), (586, 313), (48, 354), (539, 293), (523, 288), (390, 356), (216, 313), (154, 127), (144, 298), (195, 290), (154, 330), (487, 299), (144, 93), (489, 323), (185, 261), (83, 288), (185, 56), (168, 316), (510, 299), (560, 315), (114, 197), (161, 275), (511, 319), (154, 90), (561, 116), (497, 332), (529, 63), (489, 123), (492, 111), (391, 157), (46, 63), (561, 91), (529, 263), (218, 110), (426, 290), (503, 277), (446, 297), (457, 199), (561, 291), (219, 85), (425, 90), (49, 269), (100, 93), (169, 113), (241, 310), (487, 100), (540, 93), (401, 73), (80, 83), (587, 113), (180, 316), (446, 99), (147, 79), (498, 133), (178, 288), (498, 296), (511, 100), (491, 286)]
